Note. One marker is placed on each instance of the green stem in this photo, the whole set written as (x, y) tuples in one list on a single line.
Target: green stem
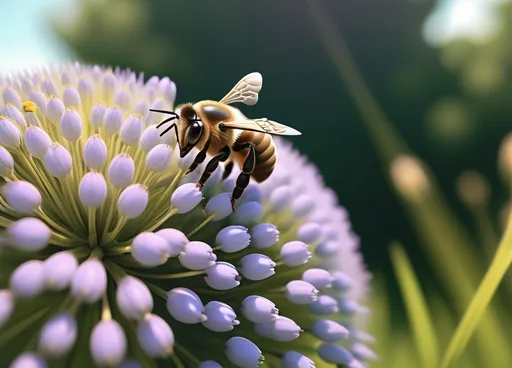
[(201, 225)]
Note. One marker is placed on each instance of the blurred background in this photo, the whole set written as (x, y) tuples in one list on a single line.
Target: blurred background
[(366, 81)]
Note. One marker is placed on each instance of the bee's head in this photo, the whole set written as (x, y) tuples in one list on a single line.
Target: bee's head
[(188, 127)]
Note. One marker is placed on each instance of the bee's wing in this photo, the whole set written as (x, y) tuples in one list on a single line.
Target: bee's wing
[(262, 125), (245, 91)]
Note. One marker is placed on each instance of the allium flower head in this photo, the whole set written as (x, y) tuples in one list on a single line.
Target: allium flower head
[(111, 256)]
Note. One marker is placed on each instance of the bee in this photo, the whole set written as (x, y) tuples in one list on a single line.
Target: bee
[(228, 136)]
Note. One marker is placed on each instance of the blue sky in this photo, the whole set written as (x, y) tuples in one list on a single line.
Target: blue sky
[(27, 41)]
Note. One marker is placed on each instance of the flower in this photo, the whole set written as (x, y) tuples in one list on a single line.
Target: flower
[(112, 256)]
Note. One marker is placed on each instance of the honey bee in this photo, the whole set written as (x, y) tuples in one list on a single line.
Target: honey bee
[(223, 132)]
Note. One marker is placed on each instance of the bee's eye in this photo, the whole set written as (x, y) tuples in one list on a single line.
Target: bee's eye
[(194, 131)]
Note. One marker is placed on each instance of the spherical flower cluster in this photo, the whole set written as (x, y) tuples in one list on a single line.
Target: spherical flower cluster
[(111, 256)]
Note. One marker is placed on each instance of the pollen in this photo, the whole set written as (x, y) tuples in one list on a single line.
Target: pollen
[(29, 106)]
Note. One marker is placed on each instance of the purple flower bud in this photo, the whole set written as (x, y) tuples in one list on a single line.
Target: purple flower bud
[(318, 277), (185, 306), (58, 335), (29, 234), (248, 213), (26, 280), (243, 352), (293, 359), (155, 336), (58, 270), (219, 206), (6, 306), (22, 196), (133, 298), (150, 249), (233, 239), (295, 253), (222, 276), (259, 309), (186, 197), (89, 281), (28, 360), (197, 256), (257, 266), (329, 331), (220, 317), (108, 343), (264, 235), (325, 304), (300, 292), (335, 354), (309, 233)]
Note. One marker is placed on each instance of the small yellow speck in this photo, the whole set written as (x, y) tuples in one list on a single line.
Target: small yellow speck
[(29, 106)]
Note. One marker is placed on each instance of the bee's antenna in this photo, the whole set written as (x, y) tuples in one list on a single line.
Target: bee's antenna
[(174, 116)]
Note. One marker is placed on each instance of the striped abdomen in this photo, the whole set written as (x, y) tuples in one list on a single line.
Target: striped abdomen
[(266, 154)]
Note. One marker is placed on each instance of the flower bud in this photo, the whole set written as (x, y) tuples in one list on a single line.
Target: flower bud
[(121, 170), (40, 100), (185, 162), (112, 120), (97, 114), (264, 235), (362, 352), (185, 306), (107, 343), (159, 158), (197, 255), (341, 281), (335, 354), (109, 83), (58, 335), (243, 352), (37, 141), (58, 270), (329, 331), (222, 276), (58, 161), (158, 104), (71, 125), (89, 282), (28, 360), (221, 317), (85, 88), (325, 304), (6, 306), (142, 108), (209, 364), (280, 329), (248, 213), (155, 336), (186, 197), (219, 206), (48, 87), (300, 292), (92, 190), (15, 115), (133, 201), (295, 253), (122, 98), (130, 363), (302, 205), (133, 298), (233, 239), (6, 161), (150, 249), (167, 89), (256, 267), (54, 110), (10, 96), (281, 197), (327, 249), (22, 196), (95, 152), (10, 136), (309, 233), (258, 309), (318, 277), (26, 280), (70, 97), (175, 239), (29, 234), (293, 359), (131, 130), (150, 138)]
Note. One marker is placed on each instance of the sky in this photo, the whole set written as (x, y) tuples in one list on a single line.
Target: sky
[(34, 44), (27, 40)]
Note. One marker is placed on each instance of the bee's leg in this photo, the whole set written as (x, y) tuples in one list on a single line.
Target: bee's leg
[(227, 170), (212, 165), (200, 157), (247, 169)]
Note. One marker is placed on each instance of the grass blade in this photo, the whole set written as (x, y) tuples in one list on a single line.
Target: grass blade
[(416, 306)]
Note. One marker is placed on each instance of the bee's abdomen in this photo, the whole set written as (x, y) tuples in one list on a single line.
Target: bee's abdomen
[(265, 150)]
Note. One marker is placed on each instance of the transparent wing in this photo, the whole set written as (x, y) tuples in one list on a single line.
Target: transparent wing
[(245, 91), (262, 125)]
